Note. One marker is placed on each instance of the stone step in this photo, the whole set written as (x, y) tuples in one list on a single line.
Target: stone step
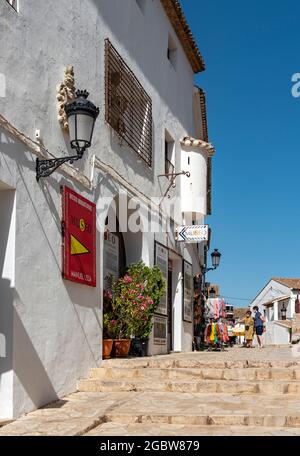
[(139, 429), (5, 422), (110, 373), (202, 386), (187, 409), (209, 420), (165, 362)]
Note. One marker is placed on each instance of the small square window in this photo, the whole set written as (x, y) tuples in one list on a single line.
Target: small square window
[(141, 4), (13, 4), (169, 154), (172, 51)]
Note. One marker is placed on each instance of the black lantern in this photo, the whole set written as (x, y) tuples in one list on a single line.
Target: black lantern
[(215, 258), (81, 114), (283, 312), (212, 293)]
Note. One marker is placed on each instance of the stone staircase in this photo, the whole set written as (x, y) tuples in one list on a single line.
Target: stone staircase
[(199, 395)]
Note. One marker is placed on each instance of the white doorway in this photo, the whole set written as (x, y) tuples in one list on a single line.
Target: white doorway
[(7, 279)]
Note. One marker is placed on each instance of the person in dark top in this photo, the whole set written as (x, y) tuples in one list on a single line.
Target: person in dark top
[(258, 325)]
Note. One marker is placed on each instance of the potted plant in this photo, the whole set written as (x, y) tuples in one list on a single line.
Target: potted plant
[(122, 311), (135, 298), (109, 325)]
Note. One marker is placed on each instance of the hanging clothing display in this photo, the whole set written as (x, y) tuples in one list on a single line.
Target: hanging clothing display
[(215, 308), (216, 333)]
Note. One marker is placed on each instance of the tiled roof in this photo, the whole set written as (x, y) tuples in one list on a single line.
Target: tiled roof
[(177, 18), (239, 312), (192, 142), (272, 301), (203, 112), (291, 283), (286, 323)]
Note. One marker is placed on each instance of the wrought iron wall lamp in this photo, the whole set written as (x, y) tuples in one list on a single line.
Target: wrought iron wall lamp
[(81, 114)]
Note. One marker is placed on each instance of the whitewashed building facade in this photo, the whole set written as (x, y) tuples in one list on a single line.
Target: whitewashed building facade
[(51, 328), (279, 302)]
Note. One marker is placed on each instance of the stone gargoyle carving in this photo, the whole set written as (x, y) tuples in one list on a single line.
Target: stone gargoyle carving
[(65, 93)]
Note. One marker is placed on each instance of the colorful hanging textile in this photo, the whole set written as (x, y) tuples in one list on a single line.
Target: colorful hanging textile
[(216, 333)]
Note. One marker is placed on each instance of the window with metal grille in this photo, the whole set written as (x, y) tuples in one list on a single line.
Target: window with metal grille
[(128, 108), (13, 3)]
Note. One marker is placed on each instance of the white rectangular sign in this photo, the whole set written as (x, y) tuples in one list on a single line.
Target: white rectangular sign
[(187, 292), (161, 260), (111, 263), (160, 330), (192, 233)]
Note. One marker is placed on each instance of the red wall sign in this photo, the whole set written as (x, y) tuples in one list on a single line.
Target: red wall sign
[(79, 238)]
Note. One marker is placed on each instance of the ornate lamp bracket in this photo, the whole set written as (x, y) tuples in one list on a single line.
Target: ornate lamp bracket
[(46, 167), (172, 180)]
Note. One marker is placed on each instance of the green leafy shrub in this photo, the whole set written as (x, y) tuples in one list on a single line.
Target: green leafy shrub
[(134, 300)]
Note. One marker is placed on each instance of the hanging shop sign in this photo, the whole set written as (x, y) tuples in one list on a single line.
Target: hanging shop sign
[(111, 260), (79, 238), (192, 233), (187, 292), (161, 260), (160, 330)]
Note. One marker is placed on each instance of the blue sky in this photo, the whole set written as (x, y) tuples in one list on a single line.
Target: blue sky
[(251, 50)]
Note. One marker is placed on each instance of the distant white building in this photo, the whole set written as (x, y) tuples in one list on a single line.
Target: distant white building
[(279, 302)]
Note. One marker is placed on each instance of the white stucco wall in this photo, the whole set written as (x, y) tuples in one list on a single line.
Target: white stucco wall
[(53, 329), (37, 54), (271, 290), (276, 334), (193, 189)]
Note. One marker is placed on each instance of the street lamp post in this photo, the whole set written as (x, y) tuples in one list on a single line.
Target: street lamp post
[(215, 260)]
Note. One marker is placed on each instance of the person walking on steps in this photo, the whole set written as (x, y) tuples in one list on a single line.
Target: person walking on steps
[(258, 326)]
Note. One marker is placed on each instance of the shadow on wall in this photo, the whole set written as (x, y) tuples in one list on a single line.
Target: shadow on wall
[(29, 369), (130, 159), (12, 147), (16, 350), (7, 197), (6, 328), (18, 353)]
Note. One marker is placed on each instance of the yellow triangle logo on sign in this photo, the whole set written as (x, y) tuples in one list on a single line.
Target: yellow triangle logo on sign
[(77, 248)]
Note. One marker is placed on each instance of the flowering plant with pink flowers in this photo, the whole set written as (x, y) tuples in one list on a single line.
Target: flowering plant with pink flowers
[(110, 326), (135, 298)]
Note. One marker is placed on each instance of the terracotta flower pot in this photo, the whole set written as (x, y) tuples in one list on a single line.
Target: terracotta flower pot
[(122, 347), (106, 348)]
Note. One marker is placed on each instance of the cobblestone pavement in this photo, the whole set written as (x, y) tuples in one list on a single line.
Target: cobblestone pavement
[(181, 412)]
